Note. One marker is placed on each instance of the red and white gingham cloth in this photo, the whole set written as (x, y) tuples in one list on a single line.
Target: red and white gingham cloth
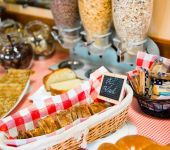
[(27, 118), (145, 60)]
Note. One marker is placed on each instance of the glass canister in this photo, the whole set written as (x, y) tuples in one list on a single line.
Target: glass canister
[(38, 35), (14, 51), (66, 13), (132, 20), (9, 26), (67, 19), (96, 17)]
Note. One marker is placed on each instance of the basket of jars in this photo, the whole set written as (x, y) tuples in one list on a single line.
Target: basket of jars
[(67, 121), (151, 84)]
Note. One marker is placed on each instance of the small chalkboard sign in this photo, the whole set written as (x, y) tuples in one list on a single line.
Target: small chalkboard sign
[(112, 87)]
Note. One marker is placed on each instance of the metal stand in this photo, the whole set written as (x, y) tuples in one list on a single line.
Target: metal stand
[(71, 63), (109, 59)]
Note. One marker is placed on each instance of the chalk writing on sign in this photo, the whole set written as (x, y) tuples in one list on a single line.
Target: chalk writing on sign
[(111, 87)]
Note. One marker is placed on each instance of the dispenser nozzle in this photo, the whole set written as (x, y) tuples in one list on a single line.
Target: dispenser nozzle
[(85, 43), (56, 36)]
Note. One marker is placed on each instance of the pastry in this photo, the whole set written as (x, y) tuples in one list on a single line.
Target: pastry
[(73, 113), (37, 132), (84, 111), (97, 107), (51, 124), (64, 118), (42, 124)]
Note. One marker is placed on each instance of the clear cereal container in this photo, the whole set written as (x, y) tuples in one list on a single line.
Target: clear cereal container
[(132, 20), (66, 13), (96, 16)]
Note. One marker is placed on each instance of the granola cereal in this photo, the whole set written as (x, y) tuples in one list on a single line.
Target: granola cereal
[(96, 16), (132, 19), (66, 13)]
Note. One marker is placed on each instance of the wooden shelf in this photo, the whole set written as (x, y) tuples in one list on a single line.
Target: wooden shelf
[(25, 14)]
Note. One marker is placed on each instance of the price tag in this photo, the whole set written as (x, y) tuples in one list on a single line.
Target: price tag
[(112, 87)]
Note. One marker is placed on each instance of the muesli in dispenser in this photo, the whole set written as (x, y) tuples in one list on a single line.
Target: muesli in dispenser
[(132, 20)]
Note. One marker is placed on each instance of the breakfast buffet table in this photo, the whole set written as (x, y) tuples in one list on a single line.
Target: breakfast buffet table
[(156, 129)]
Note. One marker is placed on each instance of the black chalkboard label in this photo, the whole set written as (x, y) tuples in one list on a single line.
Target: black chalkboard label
[(112, 87)]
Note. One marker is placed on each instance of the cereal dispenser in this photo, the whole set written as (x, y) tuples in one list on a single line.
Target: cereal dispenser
[(67, 29), (131, 20), (96, 18)]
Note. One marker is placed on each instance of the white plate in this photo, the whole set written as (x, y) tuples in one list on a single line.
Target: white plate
[(19, 99)]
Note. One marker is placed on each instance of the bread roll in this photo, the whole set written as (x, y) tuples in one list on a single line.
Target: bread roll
[(108, 146), (156, 147), (135, 142)]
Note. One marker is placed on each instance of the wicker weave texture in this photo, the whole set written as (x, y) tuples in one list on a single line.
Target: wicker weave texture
[(96, 132)]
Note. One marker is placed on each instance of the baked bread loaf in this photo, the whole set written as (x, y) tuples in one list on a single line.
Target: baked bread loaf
[(62, 87), (61, 119), (133, 142), (58, 76)]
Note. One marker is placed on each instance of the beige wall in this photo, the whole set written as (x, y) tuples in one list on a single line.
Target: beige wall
[(160, 25)]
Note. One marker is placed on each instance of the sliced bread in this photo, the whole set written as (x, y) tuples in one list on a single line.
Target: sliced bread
[(62, 87), (58, 76)]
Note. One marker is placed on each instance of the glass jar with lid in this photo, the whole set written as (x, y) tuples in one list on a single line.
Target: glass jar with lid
[(14, 51), (9, 26), (38, 35)]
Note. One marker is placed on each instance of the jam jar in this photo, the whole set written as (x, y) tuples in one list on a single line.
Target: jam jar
[(38, 35), (9, 26), (15, 52)]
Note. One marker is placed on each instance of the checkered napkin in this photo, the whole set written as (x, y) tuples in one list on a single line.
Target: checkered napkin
[(27, 118), (144, 60)]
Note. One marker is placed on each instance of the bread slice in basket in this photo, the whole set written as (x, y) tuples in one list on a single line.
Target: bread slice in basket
[(62, 119), (62, 87), (58, 76)]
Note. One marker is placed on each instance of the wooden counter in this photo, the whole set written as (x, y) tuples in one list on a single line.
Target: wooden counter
[(28, 13)]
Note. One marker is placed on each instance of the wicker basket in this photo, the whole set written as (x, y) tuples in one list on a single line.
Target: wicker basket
[(96, 132), (155, 108), (97, 126)]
